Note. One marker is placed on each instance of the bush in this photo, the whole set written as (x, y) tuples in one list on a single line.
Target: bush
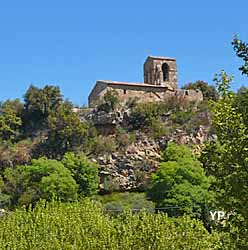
[(124, 138), (84, 172), (182, 117), (41, 179), (143, 115), (110, 101), (84, 226), (110, 184), (118, 202), (181, 183)]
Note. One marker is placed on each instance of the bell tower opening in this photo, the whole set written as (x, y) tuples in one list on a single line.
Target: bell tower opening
[(160, 71), (165, 69)]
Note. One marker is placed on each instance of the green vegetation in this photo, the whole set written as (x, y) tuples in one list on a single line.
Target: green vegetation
[(84, 172), (226, 158), (45, 152), (48, 179), (110, 101), (180, 185), (10, 123), (116, 203), (83, 225), (209, 92)]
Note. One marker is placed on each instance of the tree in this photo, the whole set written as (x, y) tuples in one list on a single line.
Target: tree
[(10, 122), (39, 104), (84, 172), (180, 184), (241, 49), (209, 92), (65, 131), (241, 102), (44, 178), (110, 101), (227, 159)]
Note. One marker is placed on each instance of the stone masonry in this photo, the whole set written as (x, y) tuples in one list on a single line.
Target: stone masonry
[(160, 83)]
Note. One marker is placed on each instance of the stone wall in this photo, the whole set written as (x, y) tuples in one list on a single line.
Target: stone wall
[(160, 83), (141, 93), (190, 95)]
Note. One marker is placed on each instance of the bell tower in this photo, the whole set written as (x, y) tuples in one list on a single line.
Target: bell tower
[(161, 71)]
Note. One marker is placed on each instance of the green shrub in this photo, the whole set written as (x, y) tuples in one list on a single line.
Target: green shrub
[(181, 183), (110, 101), (143, 115), (124, 138), (41, 179), (103, 144), (83, 225), (118, 202), (110, 184), (84, 172), (182, 117)]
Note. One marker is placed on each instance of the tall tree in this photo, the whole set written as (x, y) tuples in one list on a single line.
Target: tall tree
[(227, 160), (65, 131), (39, 104)]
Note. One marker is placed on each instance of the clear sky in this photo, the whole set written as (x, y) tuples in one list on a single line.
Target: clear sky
[(72, 44)]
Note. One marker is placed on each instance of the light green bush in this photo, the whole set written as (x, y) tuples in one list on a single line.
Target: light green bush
[(82, 225)]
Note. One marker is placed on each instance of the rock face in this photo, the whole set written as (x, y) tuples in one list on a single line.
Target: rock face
[(130, 167)]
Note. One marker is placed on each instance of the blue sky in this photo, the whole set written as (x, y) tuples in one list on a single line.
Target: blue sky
[(71, 44)]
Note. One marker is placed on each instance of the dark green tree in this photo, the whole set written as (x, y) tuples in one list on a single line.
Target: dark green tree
[(39, 103), (209, 92), (65, 131)]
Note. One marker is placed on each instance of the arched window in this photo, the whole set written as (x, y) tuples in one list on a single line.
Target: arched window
[(165, 69)]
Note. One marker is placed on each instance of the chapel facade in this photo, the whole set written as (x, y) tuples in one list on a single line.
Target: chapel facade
[(160, 83)]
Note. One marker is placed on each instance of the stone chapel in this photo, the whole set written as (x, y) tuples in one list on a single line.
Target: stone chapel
[(160, 83)]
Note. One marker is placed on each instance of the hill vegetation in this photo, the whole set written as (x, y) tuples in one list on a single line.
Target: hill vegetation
[(133, 176)]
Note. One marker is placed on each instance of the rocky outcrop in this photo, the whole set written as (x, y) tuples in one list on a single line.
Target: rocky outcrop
[(131, 168)]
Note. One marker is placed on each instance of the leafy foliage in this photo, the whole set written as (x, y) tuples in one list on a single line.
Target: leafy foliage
[(42, 179), (144, 114), (39, 104), (116, 203), (241, 49), (84, 226), (209, 92), (84, 172), (10, 121), (180, 183), (227, 159), (65, 131)]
